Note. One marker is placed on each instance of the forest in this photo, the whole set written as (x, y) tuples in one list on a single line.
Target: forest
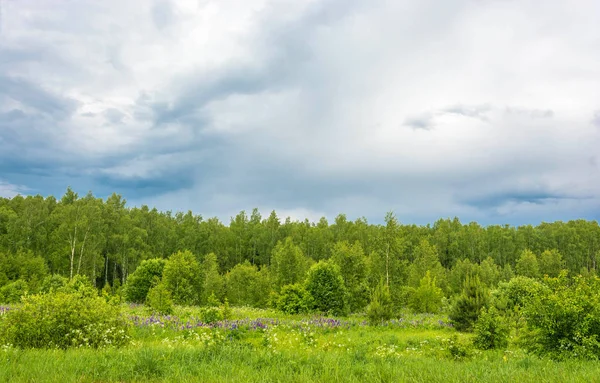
[(95, 276), (105, 241)]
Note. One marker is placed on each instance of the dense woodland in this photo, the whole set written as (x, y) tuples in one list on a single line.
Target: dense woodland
[(105, 241)]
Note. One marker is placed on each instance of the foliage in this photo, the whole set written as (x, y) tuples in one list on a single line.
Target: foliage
[(294, 299), (53, 283), (246, 285), (353, 266), (159, 299), (551, 263), (459, 350), (426, 261), (182, 275), (381, 308), (213, 282), (510, 298), (288, 263), (325, 285), (427, 298), (467, 306), (491, 330), (527, 265), (140, 282), (564, 320), (62, 320), (80, 285), (106, 241), (13, 292)]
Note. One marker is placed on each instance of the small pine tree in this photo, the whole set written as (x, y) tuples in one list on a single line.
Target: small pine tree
[(466, 307), (226, 310), (427, 298), (380, 309)]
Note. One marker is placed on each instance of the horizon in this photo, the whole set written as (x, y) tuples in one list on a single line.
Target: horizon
[(225, 220)]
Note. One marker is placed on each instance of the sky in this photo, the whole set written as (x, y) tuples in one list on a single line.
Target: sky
[(488, 110)]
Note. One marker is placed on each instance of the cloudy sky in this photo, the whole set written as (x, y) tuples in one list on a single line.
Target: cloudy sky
[(488, 110)]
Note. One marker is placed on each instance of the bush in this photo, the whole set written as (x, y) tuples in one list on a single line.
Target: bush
[(564, 320), (80, 285), (458, 350), (381, 308), (62, 320), (427, 298), (491, 330), (325, 285), (183, 277), (294, 299), (467, 306), (159, 299), (246, 285), (215, 311), (510, 298), (53, 283), (13, 292), (139, 283)]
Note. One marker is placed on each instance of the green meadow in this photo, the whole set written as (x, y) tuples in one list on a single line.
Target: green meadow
[(268, 346)]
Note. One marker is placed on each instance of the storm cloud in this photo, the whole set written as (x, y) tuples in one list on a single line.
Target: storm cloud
[(485, 110)]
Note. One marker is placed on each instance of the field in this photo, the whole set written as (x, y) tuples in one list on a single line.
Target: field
[(267, 346)]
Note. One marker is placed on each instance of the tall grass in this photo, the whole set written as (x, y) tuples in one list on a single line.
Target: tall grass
[(289, 349)]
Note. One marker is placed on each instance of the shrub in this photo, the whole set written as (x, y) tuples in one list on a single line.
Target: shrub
[(183, 277), (215, 311), (159, 299), (510, 298), (467, 306), (326, 286), (564, 320), (458, 350), (53, 283), (62, 320), (211, 314), (213, 283), (381, 308), (247, 285), (491, 330), (427, 298), (139, 283), (81, 285), (294, 299), (13, 292)]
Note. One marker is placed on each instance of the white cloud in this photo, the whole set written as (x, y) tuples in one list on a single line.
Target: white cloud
[(424, 107), (8, 190)]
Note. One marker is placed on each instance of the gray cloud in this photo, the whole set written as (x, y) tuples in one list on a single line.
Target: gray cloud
[(533, 113), (295, 106), (114, 116), (596, 119), (424, 121), (162, 14), (34, 96)]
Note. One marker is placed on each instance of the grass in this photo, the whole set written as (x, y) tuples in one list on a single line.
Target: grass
[(295, 349)]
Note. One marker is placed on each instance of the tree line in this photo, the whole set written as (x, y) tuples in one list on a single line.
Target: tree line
[(242, 260)]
